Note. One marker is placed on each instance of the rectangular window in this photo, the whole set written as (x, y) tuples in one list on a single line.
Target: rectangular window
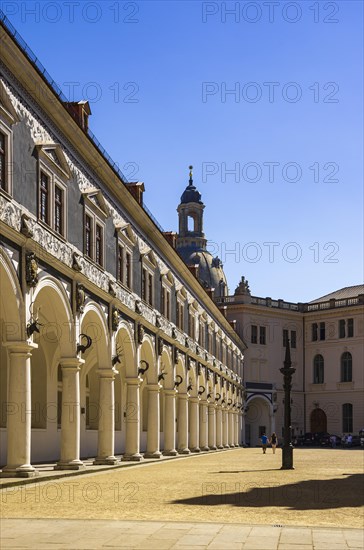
[(150, 289), (285, 337), (168, 304), (342, 328), (3, 182), (254, 334), (350, 328), (120, 274), (293, 339), (128, 269), (58, 210), (44, 198), (347, 417), (322, 331), (144, 284), (314, 332), (98, 250), (262, 335), (88, 236)]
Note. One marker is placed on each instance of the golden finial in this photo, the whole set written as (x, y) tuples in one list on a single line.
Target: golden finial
[(190, 169)]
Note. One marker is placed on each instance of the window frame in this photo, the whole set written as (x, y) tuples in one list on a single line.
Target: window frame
[(8, 117), (347, 412), (253, 334), (262, 335), (318, 369), (346, 367), (125, 241), (96, 221)]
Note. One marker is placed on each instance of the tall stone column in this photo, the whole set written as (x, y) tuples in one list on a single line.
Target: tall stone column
[(19, 414), (170, 423), (231, 429), (182, 419), (219, 434), (225, 428), (70, 420), (243, 436), (194, 425), (203, 426), (237, 429), (212, 426), (153, 434), (106, 431), (132, 419)]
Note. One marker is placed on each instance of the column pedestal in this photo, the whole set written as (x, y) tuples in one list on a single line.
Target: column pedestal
[(70, 419), (19, 414)]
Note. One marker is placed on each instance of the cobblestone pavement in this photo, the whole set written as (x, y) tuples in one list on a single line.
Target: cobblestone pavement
[(148, 535)]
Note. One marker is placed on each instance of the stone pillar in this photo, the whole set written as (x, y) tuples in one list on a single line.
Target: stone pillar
[(194, 425), (231, 428), (19, 413), (106, 431), (203, 425), (170, 423), (237, 429), (70, 420), (132, 419), (212, 426), (182, 420), (219, 439), (225, 429), (243, 436), (153, 434)]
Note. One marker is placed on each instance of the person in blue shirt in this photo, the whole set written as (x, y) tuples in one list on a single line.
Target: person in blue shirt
[(264, 439)]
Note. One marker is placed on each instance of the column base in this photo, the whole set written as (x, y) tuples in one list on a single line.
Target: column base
[(213, 448), (137, 457), (205, 448), (226, 447), (196, 450), (21, 471), (72, 465), (185, 451), (220, 446), (156, 454), (172, 452), (108, 461)]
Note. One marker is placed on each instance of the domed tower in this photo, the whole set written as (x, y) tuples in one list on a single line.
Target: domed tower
[(191, 242)]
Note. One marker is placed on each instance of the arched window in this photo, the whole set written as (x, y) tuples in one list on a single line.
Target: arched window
[(346, 367), (318, 369), (347, 418)]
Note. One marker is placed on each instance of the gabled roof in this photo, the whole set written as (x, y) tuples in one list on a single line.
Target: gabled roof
[(342, 294)]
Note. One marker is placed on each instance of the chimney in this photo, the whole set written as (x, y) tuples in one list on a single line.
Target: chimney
[(80, 110), (233, 324), (137, 189), (171, 237), (194, 269), (210, 292), (223, 310)]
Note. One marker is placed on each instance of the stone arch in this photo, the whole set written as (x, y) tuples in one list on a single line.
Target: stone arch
[(12, 328), (147, 357), (93, 323), (318, 421), (258, 418), (127, 368)]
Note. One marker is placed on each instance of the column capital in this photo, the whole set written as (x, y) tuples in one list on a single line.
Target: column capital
[(184, 396), (170, 392), (21, 348), (133, 381), (154, 387), (107, 372), (71, 363), (194, 399)]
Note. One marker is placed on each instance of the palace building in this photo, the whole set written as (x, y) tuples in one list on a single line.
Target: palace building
[(110, 346)]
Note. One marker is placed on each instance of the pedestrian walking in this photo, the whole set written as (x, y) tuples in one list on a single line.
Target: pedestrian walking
[(333, 441), (273, 441), (264, 439)]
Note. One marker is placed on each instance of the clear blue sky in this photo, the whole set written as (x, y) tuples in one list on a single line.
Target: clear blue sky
[(156, 75)]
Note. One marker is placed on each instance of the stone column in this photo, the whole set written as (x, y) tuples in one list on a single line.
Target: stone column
[(106, 432), (203, 425), (219, 440), (212, 426), (231, 429), (70, 421), (194, 425), (170, 423), (225, 429), (242, 417), (153, 434), (132, 419), (237, 429), (19, 414), (182, 420)]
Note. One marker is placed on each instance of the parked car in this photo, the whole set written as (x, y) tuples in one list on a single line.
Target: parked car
[(355, 441), (361, 435), (326, 440)]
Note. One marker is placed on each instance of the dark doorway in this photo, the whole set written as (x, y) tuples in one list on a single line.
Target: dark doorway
[(318, 421)]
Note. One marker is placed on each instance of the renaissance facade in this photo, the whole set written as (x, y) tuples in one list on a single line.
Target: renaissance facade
[(327, 349), (109, 344)]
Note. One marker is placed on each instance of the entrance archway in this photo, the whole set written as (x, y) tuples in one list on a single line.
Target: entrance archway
[(318, 421)]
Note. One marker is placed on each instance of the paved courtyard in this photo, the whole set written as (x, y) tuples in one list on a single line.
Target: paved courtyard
[(238, 496)]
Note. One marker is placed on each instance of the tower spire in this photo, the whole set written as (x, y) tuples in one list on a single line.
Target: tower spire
[(191, 175)]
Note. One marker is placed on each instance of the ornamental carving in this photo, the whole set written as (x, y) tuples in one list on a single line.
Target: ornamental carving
[(80, 298), (10, 214), (31, 269), (115, 319)]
